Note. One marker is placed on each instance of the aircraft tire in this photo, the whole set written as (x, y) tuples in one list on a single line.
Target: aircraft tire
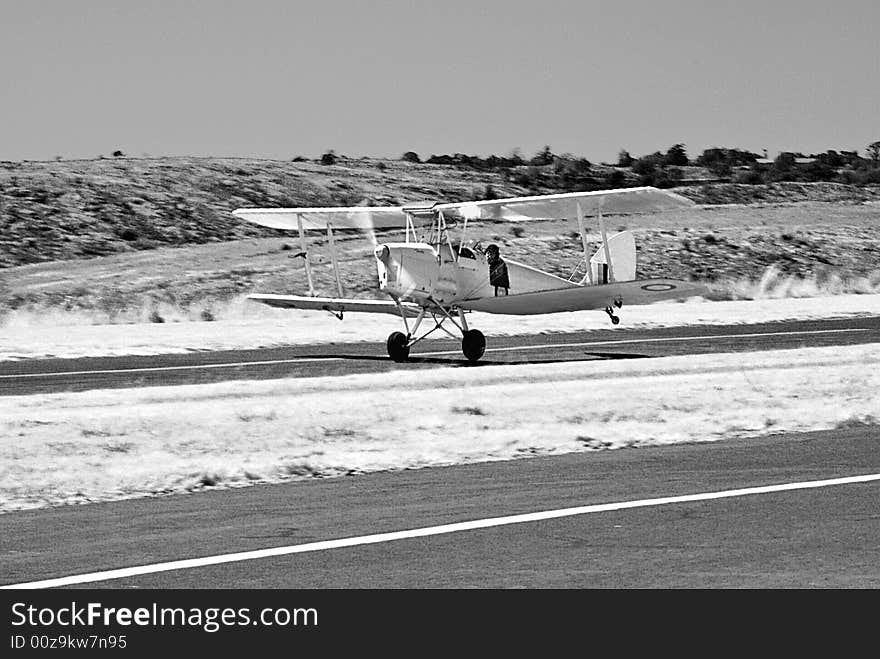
[(397, 348), (473, 345)]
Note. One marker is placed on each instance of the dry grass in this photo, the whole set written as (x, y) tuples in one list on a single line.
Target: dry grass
[(763, 251), (101, 445)]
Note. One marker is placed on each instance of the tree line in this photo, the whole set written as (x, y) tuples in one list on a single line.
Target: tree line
[(570, 173)]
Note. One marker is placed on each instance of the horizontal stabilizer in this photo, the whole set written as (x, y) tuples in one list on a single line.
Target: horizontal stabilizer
[(580, 298), (335, 304)]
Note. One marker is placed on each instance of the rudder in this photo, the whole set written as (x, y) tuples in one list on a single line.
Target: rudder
[(622, 247)]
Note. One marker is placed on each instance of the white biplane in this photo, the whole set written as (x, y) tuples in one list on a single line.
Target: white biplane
[(431, 276)]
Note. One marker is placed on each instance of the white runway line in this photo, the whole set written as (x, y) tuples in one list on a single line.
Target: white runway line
[(123, 573), (544, 346), (188, 367)]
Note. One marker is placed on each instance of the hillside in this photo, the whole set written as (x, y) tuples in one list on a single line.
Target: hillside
[(121, 234), (73, 209), (52, 211)]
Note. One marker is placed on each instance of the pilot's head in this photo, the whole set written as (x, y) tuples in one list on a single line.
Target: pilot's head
[(492, 251)]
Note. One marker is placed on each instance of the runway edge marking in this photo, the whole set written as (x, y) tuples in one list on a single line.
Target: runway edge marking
[(205, 561), (186, 367)]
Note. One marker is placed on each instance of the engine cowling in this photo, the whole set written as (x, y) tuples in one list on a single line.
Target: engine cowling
[(408, 270)]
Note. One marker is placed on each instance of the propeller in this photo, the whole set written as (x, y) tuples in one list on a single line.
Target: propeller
[(381, 252), (365, 220)]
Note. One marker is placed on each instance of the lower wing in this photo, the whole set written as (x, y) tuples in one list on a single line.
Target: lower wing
[(580, 298), (336, 304)]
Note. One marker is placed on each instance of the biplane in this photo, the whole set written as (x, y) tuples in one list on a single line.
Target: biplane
[(430, 278)]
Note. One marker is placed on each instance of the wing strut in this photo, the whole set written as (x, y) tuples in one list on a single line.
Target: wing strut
[(305, 251), (335, 260), (605, 245), (442, 232), (583, 228), (461, 239), (410, 227)]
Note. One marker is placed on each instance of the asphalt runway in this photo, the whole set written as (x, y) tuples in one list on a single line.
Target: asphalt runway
[(819, 537), (825, 536), (54, 375)]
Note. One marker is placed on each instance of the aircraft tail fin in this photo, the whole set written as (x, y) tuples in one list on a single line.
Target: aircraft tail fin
[(622, 249)]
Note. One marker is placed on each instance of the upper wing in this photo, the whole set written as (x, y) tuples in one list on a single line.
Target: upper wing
[(354, 217), (579, 298), (559, 206), (335, 304), (539, 207)]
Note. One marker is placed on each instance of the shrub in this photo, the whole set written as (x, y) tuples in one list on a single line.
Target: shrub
[(411, 156), (831, 158), (648, 164), (675, 174), (868, 177), (784, 162), (440, 160), (329, 158), (818, 171), (531, 178), (750, 177), (676, 155), (615, 179), (664, 178), (571, 169), (720, 160), (543, 157), (848, 177)]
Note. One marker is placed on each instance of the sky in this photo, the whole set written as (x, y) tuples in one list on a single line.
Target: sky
[(281, 78)]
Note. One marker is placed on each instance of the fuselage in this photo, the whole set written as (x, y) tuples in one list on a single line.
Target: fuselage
[(426, 274)]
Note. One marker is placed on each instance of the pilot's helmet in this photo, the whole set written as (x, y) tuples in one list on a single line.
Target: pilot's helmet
[(492, 249)]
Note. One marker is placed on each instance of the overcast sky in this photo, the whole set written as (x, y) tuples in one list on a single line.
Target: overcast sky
[(280, 78)]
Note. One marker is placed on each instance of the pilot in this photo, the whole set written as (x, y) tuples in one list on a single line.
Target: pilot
[(497, 271)]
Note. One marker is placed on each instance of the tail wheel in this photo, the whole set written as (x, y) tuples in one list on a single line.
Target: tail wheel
[(614, 319), (473, 345), (397, 346)]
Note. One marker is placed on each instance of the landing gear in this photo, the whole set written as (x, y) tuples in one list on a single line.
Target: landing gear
[(610, 311), (473, 344), (397, 346)]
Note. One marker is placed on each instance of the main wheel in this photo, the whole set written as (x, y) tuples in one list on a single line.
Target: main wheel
[(473, 344), (397, 346), (615, 320)]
